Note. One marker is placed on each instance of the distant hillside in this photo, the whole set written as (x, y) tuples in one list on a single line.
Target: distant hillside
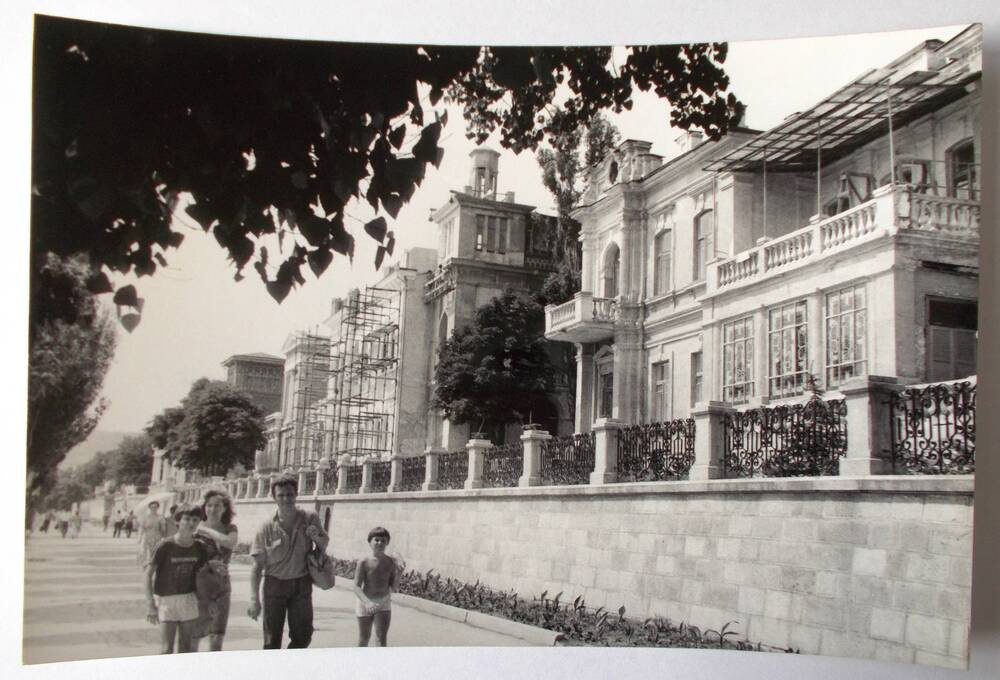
[(99, 440)]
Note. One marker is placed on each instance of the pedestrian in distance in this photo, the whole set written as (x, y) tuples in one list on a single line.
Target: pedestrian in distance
[(119, 523), (105, 518), (130, 524), (168, 521), (374, 581), (63, 523), (152, 530), (75, 524), (46, 521), (171, 584), (219, 536), (279, 550)]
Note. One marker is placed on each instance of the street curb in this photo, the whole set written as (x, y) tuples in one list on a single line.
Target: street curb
[(530, 634)]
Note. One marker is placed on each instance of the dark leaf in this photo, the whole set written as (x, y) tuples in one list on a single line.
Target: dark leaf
[(130, 321), (99, 284), (376, 229), (126, 296)]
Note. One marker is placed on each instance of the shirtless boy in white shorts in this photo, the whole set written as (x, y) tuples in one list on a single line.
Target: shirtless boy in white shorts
[(374, 581)]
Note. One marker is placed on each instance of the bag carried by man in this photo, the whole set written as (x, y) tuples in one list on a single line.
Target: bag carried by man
[(320, 569)]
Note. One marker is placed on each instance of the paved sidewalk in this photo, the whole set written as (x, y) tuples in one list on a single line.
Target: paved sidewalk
[(84, 600)]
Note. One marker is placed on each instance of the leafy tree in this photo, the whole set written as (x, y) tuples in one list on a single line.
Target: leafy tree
[(71, 344), (563, 167), (263, 137), (496, 371), (97, 470), (216, 428), (67, 490), (132, 461)]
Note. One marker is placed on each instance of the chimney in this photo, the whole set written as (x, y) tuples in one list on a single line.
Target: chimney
[(509, 197), (689, 140)]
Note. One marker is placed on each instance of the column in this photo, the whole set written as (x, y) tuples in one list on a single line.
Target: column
[(302, 480), (816, 342), (605, 451), (395, 474), (587, 267), (584, 388), (532, 465), (431, 471), (341, 475), (709, 440), (869, 438), (761, 357), (366, 475), (477, 457)]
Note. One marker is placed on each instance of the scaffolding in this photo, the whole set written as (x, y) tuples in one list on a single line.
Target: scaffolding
[(364, 366), (307, 437)]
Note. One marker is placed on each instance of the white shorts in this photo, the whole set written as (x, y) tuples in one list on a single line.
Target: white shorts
[(183, 607), (382, 604)]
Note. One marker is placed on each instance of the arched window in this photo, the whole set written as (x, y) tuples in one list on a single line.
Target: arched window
[(612, 266), (703, 224), (963, 180)]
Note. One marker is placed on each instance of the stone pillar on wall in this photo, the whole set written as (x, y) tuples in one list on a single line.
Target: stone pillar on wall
[(477, 449), (431, 470), (532, 465), (395, 473), (587, 268), (302, 478), (869, 438), (605, 451), (341, 476), (261, 483), (366, 475), (709, 440), (628, 369), (584, 388)]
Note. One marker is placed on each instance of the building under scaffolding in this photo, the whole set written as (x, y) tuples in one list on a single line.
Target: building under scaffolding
[(363, 373)]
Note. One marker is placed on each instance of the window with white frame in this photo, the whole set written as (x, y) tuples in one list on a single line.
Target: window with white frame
[(846, 334), (788, 349), (480, 232), (697, 394), (661, 392), (661, 274), (702, 228), (737, 360)]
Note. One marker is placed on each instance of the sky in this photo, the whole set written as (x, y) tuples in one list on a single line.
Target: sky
[(196, 315)]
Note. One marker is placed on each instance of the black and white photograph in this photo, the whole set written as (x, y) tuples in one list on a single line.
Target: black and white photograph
[(670, 346)]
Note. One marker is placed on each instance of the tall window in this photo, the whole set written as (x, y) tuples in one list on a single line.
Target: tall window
[(697, 394), (612, 261), (661, 392), (661, 275), (737, 360), (962, 171), (605, 387), (480, 232), (502, 236), (702, 228), (491, 234), (846, 333), (951, 339), (788, 349)]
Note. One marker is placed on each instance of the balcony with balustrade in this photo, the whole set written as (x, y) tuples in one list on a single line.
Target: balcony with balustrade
[(585, 318), (898, 211)]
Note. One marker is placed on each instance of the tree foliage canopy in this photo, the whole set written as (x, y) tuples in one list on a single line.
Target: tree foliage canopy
[(71, 344), (277, 137), (216, 428), (132, 461), (496, 371)]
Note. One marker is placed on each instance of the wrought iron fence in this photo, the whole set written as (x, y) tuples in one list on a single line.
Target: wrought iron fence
[(934, 429), (329, 480), (267, 487), (656, 451), (381, 475), (567, 460), (352, 478), (801, 440), (502, 465), (310, 485), (453, 469), (414, 473)]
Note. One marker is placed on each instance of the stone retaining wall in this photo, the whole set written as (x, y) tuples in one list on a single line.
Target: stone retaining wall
[(876, 567)]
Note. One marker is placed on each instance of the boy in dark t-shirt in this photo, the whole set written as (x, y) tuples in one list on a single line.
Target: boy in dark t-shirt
[(171, 577)]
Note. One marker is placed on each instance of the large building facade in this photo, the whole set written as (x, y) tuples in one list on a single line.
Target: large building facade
[(844, 242), (361, 383)]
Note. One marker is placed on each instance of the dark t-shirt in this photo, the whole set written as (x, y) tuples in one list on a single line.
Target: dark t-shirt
[(176, 567)]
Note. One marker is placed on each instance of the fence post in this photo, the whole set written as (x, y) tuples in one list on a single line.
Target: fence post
[(395, 474), (709, 440), (605, 451), (431, 471), (303, 478), (366, 475), (869, 422), (321, 469), (341, 476), (477, 457), (531, 467), (258, 491)]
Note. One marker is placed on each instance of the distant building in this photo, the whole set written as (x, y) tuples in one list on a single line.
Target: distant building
[(259, 376)]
